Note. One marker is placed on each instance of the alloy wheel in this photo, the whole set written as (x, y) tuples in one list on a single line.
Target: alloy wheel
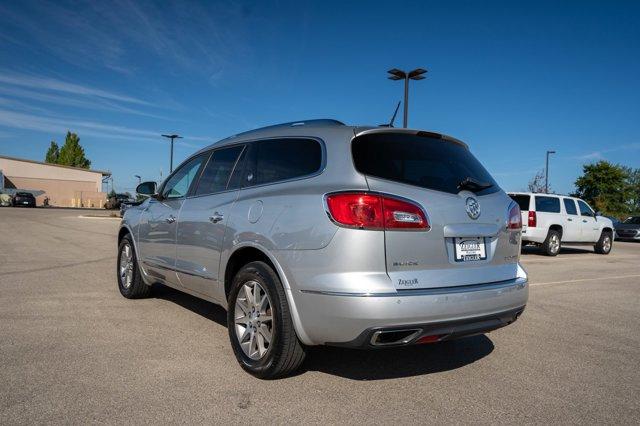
[(126, 266), (554, 243), (253, 320)]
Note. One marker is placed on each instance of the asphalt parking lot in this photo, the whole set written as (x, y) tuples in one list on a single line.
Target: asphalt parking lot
[(72, 350)]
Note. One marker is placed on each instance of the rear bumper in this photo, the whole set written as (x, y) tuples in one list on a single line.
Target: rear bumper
[(374, 338), (351, 319)]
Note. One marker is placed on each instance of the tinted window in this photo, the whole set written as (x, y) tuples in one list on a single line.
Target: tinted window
[(423, 161), (547, 204), (522, 200), (633, 220), (570, 206), (585, 210), (216, 173), (281, 159), (178, 184)]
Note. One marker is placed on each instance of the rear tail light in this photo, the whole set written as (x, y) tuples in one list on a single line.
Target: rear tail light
[(364, 210), (533, 220), (515, 218)]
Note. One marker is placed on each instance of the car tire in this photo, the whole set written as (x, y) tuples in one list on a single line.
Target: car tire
[(604, 244), (552, 244), (265, 348), (130, 281)]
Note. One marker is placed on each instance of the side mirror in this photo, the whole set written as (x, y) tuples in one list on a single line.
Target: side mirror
[(147, 189)]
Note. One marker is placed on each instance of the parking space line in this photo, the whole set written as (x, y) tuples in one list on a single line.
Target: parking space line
[(585, 279)]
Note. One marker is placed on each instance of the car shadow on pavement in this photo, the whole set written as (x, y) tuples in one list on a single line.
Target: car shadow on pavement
[(359, 364), (208, 310), (533, 250), (393, 363)]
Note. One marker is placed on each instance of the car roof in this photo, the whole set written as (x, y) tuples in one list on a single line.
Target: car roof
[(542, 194), (320, 128)]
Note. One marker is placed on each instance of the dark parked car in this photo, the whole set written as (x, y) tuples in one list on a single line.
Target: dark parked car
[(629, 229), (24, 199)]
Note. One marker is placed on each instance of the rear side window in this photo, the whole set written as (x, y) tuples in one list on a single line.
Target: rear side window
[(215, 176), (275, 160), (570, 206), (585, 210), (423, 161), (547, 204), (522, 200)]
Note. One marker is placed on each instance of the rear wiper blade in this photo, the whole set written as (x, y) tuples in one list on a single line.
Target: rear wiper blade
[(473, 185)]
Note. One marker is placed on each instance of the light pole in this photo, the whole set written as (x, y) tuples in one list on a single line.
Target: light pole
[(546, 173), (172, 137), (397, 74), (139, 179)]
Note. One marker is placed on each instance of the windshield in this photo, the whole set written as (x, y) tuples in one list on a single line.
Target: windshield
[(634, 220), (423, 161)]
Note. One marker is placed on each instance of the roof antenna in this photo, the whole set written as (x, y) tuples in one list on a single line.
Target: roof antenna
[(392, 118)]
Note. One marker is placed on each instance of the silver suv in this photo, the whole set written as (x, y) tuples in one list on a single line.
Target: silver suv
[(318, 233)]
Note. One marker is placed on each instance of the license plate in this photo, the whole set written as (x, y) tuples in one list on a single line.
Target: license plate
[(469, 249), (25, 202)]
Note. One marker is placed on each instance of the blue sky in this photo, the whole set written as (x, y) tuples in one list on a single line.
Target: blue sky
[(512, 79)]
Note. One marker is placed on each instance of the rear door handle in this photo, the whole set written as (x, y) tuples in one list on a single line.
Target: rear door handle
[(170, 219), (584, 220), (570, 220), (217, 217)]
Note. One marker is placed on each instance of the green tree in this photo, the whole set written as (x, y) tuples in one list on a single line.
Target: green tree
[(605, 186), (72, 153), (634, 190), (53, 153)]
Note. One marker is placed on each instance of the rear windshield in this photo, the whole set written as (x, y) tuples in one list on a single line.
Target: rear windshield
[(23, 194), (423, 161), (547, 204), (522, 200)]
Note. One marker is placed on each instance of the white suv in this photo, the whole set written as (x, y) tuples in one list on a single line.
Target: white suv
[(551, 220)]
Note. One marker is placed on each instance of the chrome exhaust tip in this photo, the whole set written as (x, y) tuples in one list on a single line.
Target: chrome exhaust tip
[(394, 337)]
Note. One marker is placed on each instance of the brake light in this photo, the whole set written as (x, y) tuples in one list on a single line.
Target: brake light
[(364, 210), (532, 219), (515, 218)]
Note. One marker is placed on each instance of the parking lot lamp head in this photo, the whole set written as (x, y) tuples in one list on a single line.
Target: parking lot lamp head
[(172, 137), (396, 74)]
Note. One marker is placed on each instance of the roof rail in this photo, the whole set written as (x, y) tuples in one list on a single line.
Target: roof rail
[(328, 122), (314, 122)]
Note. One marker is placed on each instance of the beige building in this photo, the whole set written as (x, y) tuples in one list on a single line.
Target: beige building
[(64, 186)]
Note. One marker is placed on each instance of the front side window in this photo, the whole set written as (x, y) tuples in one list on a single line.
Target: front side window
[(547, 204), (635, 220), (585, 210), (215, 176), (178, 184), (423, 161), (570, 206), (276, 160)]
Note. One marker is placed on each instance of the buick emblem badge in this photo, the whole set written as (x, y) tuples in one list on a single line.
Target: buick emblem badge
[(473, 208)]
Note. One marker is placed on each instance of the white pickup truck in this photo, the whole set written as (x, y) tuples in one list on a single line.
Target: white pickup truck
[(550, 220)]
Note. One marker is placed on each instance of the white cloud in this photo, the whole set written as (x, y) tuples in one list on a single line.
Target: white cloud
[(66, 87), (60, 125)]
